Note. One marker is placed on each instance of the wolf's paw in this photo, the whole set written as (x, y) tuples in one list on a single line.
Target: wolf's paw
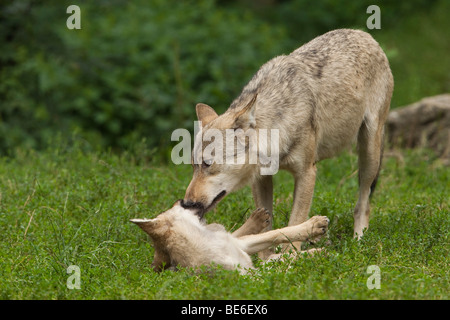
[(261, 218), (319, 226)]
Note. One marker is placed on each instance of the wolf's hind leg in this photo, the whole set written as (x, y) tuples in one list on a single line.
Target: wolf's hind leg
[(370, 146)]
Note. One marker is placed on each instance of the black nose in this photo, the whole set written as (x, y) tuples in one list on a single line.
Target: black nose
[(192, 205)]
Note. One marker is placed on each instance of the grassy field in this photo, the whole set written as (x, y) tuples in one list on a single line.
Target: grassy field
[(71, 205), (68, 207)]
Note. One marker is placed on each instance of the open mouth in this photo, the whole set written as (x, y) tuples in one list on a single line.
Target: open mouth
[(216, 200), (200, 210), (219, 197)]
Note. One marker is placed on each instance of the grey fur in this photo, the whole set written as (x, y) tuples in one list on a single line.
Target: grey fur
[(321, 97)]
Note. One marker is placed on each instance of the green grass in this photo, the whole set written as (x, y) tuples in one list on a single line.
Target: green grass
[(69, 207)]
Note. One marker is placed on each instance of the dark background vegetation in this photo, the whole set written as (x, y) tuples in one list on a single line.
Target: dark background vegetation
[(136, 69)]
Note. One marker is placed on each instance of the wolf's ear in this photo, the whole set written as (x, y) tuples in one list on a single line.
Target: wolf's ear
[(205, 113), (148, 225), (245, 118)]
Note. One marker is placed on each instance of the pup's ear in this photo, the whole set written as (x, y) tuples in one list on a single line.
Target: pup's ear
[(245, 118), (148, 225), (205, 113)]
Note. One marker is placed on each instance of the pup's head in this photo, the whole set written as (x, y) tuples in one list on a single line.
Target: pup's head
[(159, 228), (160, 231), (223, 155)]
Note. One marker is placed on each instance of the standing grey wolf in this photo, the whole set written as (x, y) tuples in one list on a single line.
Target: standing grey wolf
[(331, 91), (181, 238)]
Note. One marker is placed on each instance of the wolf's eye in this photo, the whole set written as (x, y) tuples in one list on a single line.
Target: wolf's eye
[(207, 163)]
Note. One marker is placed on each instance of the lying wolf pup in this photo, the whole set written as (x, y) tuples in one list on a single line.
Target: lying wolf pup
[(182, 238)]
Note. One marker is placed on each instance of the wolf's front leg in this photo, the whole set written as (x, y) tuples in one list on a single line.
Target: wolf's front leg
[(262, 190), (303, 195)]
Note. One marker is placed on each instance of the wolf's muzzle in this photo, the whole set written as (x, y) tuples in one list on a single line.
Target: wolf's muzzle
[(192, 205), (199, 207)]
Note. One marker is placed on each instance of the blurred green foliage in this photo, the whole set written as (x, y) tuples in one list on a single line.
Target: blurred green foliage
[(137, 68), (305, 19)]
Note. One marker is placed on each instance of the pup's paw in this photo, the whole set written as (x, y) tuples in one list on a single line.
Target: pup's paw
[(319, 226), (261, 219)]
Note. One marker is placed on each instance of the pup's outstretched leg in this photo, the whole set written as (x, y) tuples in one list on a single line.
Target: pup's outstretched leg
[(310, 229)]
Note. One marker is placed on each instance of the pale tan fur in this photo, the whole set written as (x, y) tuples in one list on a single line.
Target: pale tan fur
[(182, 239), (322, 97)]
